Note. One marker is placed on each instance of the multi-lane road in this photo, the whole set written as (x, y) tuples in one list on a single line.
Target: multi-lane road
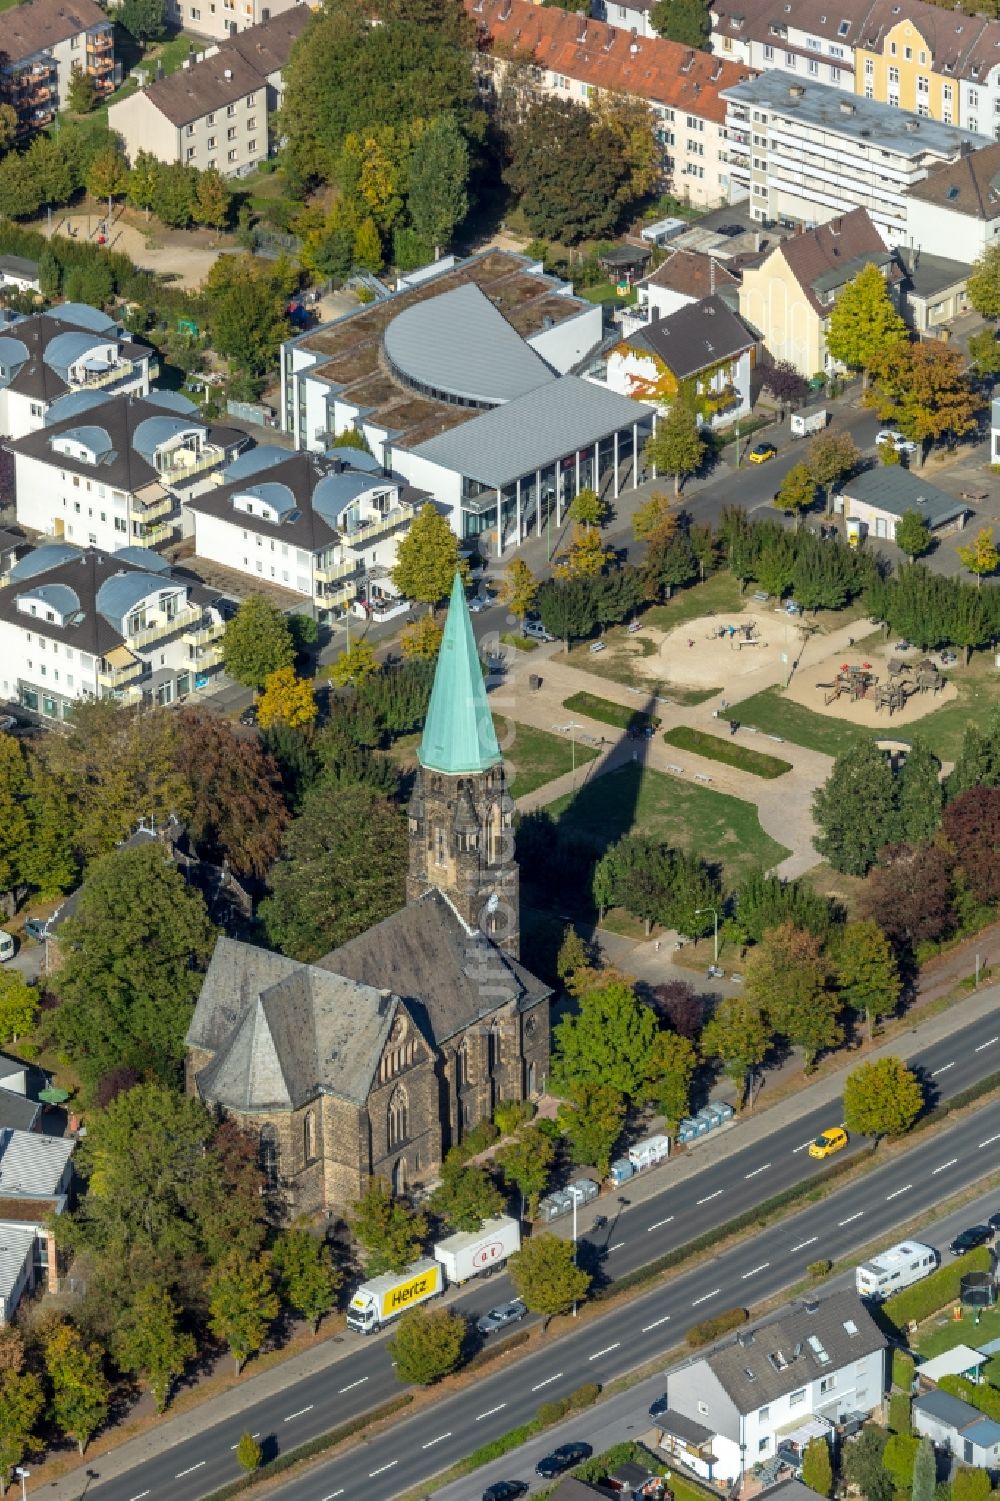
[(637, 1234)]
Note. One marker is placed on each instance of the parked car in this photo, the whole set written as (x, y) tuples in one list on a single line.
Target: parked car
[(658, 1408), (505, 1490), (994, 1223), (7, 947), (562, 1459), (503, 1314), (535, 631), (832, 1140), (482, 600), (761, 452), (249, 716), (896, 439), (968, 1240), (36, 928), (596, 646)]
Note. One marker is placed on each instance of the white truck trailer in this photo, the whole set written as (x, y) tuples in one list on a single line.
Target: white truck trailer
[(479, 1253), (890, 1271)]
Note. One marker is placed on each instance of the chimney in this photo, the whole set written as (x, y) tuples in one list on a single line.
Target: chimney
[(846, 107), (581, 32), (227, 74), (796, 91)]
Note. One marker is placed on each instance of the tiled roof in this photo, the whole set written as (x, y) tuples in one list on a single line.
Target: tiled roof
[(753, 18), (32, 1164), (831, 245), (607, 57), (36, 25), (696, 336), (969, 186), (269, 45), (692, 274)]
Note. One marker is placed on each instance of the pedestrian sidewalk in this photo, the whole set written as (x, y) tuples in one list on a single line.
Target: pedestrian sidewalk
[(702, 1155)]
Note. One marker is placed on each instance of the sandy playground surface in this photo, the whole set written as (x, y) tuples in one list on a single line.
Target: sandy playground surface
[(806, 688)]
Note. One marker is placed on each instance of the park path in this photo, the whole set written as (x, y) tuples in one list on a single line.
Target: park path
[(784, 805)]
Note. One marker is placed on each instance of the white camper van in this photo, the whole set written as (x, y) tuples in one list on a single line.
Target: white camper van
[(890, 1271)]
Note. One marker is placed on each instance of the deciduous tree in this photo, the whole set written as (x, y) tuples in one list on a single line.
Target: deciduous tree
[(421, 639), (913, 535), (607, 1041), (211, 200), (797, 491), (107, 175), (567, 608), (236, 812), (863, 1465), (80, 1389), (863, 322), (246, 311), (518, 588), (248, 1453), (286, 699), (656, 516), (684, 21), (920, 794), (631, 124), (817, 1470), (150, 1342), (866, 970), (972, 824), (983, 284), (788, 977), (427, 558), (567, 170), (909, 893), (738, 1033), (143, 19), (980, 556), (437, 198), (243, 1305), (830, 458), (526, 1163), (427, 1345), (81, 95), (257, 642), (585, 557), (134, 951), (466, 1195), (21, 1404), (671, 1064), (882, 1098), (925, 389), (588, 509), (308, 1280), (341, 870), (390, 1231), (355, 665), (855, 809), (676, 447), (546, 1276), (591, 1118), (984, 353), (18, 1006), (677, 1002)]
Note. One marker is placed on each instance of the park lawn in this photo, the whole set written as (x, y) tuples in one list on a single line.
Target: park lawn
[(718, 595), (774, 714), (727, 751), (521, 643), (534, 757), (847, 890), (622, 716), (720, 828), (942, 1333), (977, 699)]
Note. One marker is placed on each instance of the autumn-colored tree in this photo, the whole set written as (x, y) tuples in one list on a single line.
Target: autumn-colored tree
[(631, 123), (21, 1403), (830, 458), (427, 1345), (924, 389), (586, 555), (972, 824), (354, 665), (107, 175), (788, 977), (656, 515), (546, 1276), (882, 1098), (427, 558), (286, 699), (421, 639), (211, 200), (390, 1231), (980, 556), (797, 491), (80, 1389), (588, 509), (235, 807), (677, 446), (18, 1006), (739, 1034), (909, 892), (518, 588), (863, 322)]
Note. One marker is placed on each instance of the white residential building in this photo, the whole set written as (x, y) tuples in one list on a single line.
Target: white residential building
[(703, 343), (224, 18), (35, 1176), (325, 528), (110, 473), (90, 624), (70, 347), (804, 153), (955, 210), (41, 42), (780, 1382)]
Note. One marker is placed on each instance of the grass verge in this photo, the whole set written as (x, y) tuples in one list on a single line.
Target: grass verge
[(608, 712), (730, 754), (535, 757)]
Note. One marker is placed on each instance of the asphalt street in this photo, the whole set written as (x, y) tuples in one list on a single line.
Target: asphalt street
[(637, 1234)]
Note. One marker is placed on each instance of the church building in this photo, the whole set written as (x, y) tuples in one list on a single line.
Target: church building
[(376, 1059)]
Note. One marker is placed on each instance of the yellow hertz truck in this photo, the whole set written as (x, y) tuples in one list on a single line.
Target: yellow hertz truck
[(378, 1302)]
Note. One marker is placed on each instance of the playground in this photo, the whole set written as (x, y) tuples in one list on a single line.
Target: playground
[(872, 685), (721, 648)]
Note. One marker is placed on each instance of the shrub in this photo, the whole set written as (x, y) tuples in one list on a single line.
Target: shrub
[(552, 1412), (710, 1329), (482, 1135), (819, 1268), (900, 1452), (970, 1485), (585, 1396), (902, 1370), (899, 1413), (510, 1114), (917, 1303), (986, 1399)]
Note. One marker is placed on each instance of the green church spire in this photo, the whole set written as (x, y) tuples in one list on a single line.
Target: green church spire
[(458, 732)]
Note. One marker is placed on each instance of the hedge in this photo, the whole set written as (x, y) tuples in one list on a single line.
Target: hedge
[(916, 1303), (727, 751), (985, 1399), (710, 1329), (897, 1458), (899, 1413), (902, 1370)]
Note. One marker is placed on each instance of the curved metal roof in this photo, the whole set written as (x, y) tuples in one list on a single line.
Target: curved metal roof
[(141, 557), (458, 344), (254, 461), (12, 352), (51, 555), (65, 349), (154, 431), (84, 316), (279, 497), (335, 492), (120, 594), (171, 401), (60, 596), (96, 439), (73, 404)]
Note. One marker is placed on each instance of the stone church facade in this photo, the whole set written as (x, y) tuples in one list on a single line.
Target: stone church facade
[(378, 1058)]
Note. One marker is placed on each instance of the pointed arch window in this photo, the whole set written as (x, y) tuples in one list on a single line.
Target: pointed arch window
[(309, 1136), (267, 1156), (398, 1117), (463, 1065)]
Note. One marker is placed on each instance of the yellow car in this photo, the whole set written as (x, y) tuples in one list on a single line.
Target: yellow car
[(761, 452), (828, 1142)]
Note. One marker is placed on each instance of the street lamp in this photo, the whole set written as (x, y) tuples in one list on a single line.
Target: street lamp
[(23, 1474), (698, 911), (574, 1246), (572, 739)]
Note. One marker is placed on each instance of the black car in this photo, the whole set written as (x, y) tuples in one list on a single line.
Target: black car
[(563, 1458), (968, 1240), (506, 1490), (249, 716), (729, 230), (658, 1408), (994, 1222)]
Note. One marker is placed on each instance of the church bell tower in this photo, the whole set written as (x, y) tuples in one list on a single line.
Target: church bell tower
[(460, 815)]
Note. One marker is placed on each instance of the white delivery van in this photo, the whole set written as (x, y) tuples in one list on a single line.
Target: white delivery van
[(890, 1271), (377, 1302), (6, 946)]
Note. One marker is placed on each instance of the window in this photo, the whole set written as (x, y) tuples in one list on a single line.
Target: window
[(789, 59), (231, 156), (892, 49), (768, 52), (230, 109), (189, 130), (922, 59), (210, 120), (894, 76), (763, 1414), (835, 75), (252, 98), (796, 1399), (211, 143), (191, 151), (946, 93), (923, 85), (309, 1136), (908, 54), (813, 66), (843, 28), (869, 91), (922, 108), (973, 124), (703, 1409), (973, 100), (869, 67), (252, 123), (397, 1118), (251, 146), (267, 1156), (74, 43), (763, 1444), (463, 1070), (827, 1383), (231, 133), (759, 164)]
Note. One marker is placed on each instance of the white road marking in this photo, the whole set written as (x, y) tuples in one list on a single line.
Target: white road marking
[(616, 1247), (140, 1496), (547, 1382), (334, 1496), (299, 1414), (491, 1411), (709, 1197), (704, 1299), (850, 1219), (231, 1448), (803, 1243), (755, 1270), (804, 1145), (606, 1351), (757, 1170), (943, 1069), (897, 1191), (984, 1045), (353, 1384), (990, 1140), (439, 1440), (373, 1473), (660, 1223), (656, 1325), (191, 1471), (943, 1166)]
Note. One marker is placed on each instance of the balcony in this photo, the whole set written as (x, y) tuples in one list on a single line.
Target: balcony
[(333, 571), (110, 679), (177, 471), (144, 512), (329, 598), (100, 378), (203, 634), (103, 41), (380, 527), (152, 536), (181, 621)]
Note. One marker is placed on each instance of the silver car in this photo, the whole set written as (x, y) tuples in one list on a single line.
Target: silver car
[(499, 1317)]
